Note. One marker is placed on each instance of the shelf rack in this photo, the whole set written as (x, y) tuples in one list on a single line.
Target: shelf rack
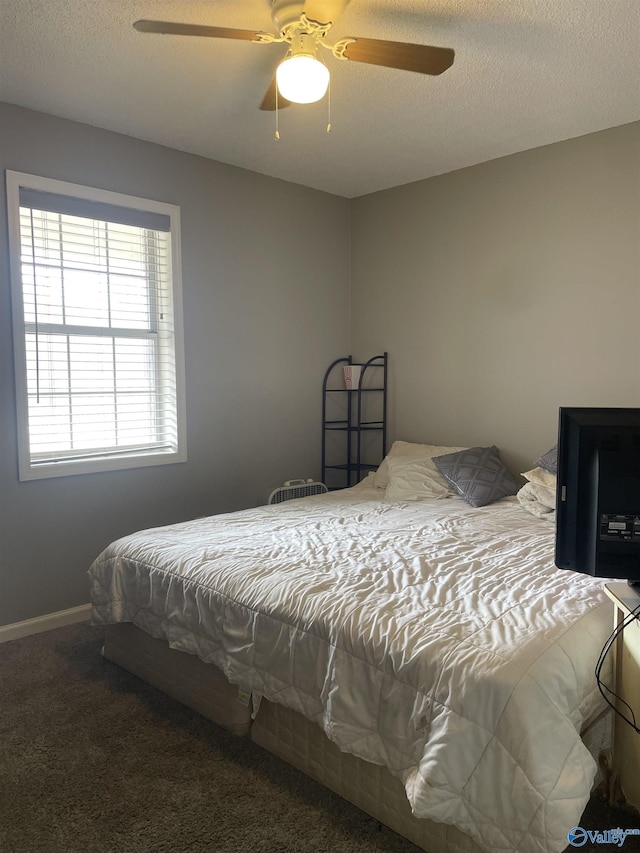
[(359, 413)]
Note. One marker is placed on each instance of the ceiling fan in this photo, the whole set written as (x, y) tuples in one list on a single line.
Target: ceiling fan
[(303, 25)]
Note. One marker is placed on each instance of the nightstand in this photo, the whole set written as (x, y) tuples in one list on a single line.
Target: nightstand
[(626, 667)]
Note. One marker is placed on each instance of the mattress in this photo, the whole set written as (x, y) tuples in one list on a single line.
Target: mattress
[(432, 639)]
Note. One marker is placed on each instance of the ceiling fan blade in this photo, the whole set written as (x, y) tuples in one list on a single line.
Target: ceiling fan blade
[(396, 54), (171, 28), (324, 11), (269, 100)]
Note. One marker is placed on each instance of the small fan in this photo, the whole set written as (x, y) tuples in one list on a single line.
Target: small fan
[(303, 25)]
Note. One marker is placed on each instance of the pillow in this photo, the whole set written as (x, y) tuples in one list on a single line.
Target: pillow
[(537, 499), (414, 479), (541, 476), (407, 448), (477, 474), (548, 460)]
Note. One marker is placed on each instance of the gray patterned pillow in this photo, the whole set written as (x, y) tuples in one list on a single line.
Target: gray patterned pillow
[(549, 461), (478, 475)]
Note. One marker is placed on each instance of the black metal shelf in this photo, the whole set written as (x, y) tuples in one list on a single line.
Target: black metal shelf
[(345, 467), (363, 427), (352, 390), (354, 420)]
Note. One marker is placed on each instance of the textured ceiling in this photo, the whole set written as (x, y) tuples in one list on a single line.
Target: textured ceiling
[(526, 73)]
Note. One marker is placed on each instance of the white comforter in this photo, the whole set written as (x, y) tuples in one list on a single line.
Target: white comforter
[(431, 637)]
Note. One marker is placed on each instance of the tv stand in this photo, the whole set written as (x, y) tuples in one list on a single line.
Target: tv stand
[(626, 669)]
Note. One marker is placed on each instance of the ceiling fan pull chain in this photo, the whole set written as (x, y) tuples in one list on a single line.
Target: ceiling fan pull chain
[(277, 135)]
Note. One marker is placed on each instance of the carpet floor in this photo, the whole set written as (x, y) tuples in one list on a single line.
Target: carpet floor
[(92, 760)]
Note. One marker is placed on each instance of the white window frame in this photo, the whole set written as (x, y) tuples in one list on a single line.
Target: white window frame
[(32, 470)]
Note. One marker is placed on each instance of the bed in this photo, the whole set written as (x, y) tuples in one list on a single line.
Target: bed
[(419, 655)]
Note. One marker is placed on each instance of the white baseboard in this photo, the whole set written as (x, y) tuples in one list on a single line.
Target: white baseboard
[(45, 623)]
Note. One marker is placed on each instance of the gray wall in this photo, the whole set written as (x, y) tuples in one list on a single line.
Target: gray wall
[(266, 305), (503, 291), (500, 292)]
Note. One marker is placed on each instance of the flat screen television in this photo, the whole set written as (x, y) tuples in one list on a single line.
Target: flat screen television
[(598, 495)]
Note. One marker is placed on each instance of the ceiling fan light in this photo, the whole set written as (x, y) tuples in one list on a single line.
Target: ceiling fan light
[(302, 79)]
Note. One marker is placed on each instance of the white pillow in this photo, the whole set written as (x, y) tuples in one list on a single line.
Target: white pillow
[(407, 448), (542, 477), (414, 479)]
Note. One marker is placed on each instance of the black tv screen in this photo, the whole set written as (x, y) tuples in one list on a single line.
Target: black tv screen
[(598, 495)]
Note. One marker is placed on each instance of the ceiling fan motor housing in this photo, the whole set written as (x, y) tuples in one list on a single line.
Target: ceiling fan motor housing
[(286, 14)]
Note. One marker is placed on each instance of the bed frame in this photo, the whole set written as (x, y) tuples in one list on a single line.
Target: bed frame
[(285, 733)]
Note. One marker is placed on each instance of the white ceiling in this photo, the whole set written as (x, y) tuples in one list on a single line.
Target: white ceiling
[(526, 73)]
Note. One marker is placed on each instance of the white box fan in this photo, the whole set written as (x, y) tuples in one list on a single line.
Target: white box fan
[(296, 489)]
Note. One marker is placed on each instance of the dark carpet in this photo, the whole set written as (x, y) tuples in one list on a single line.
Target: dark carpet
[(92, 760)]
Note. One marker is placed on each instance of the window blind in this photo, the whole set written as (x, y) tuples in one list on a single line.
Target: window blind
[(99, 337)]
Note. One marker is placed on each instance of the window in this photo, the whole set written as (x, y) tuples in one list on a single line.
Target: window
[(97, 328)]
